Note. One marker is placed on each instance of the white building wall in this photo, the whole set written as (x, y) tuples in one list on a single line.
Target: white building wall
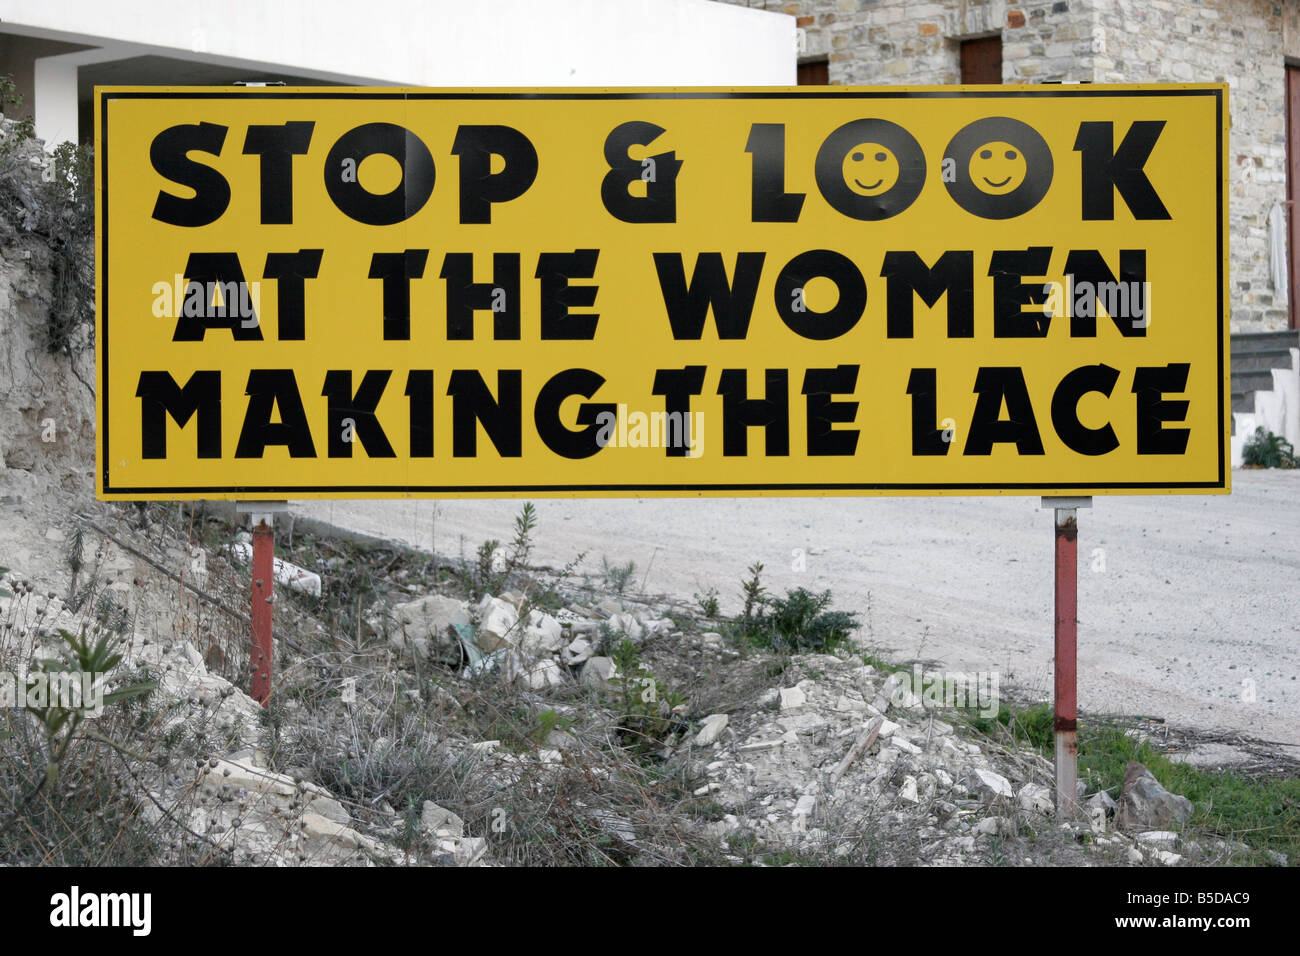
[(415, 42)]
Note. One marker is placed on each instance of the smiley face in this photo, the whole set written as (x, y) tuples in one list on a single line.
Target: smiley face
[(997, 168), (870, 169)]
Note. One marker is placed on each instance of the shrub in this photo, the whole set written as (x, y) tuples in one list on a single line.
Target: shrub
[(1266, 450), (800, 621)]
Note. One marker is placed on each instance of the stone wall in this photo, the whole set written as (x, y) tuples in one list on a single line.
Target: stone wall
[(47, 407), (1240, 42)]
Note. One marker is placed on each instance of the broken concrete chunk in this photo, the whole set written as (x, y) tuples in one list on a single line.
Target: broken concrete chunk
[(989, 786), (437, 821), (792, 700), (712, 729)]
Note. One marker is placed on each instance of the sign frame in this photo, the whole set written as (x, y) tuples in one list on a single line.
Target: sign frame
[(109, 489)]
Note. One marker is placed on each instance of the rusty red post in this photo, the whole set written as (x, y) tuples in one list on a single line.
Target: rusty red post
[(1065, 697), (263, 586)]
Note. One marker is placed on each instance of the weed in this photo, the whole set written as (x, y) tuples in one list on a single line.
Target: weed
[(1033, 726), (800, 622), (1262, 813), (648, 709), (617, 576), (59, 723), (483, 579), (521, 548), (754, 593), (708, 602)]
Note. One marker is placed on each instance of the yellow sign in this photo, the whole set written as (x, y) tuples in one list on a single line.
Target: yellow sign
[(857, 291)]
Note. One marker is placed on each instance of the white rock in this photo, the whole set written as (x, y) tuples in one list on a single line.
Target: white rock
[(535, 675), (1036, 798), (712, 729), (656, 626), (904, 745), (1134, 856), (806, 725), (1167, 858), (792, 699), (1163, 837), (290, 575), (805, 806), (898, 691), (907, 793), (439, 822), (887, 728), (428, 624), (993, 826), (241, 776), (581, 627), (629, 625), (464, 852), (598, 671), (316, 826), (497, 624), (990, 785), (329, 808), (578, 651), (543, 634)]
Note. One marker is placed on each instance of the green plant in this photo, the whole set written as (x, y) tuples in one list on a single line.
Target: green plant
[(76, 559), (708, 602), (60, 722), (1266, 450), (483, 579), (754, 593), (800, 621), (1262, 813), (1034, 725), (547, 721), (617, 576), (649, 711), (521, 548)]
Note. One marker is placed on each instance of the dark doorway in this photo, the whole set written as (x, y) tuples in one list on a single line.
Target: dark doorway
[(1292, 187), (816, 73), (981, 60)]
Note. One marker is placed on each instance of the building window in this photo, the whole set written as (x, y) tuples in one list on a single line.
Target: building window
[(981, 60), (815, 73)]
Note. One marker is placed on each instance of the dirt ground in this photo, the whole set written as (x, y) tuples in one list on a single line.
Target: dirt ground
[(1189, 606)]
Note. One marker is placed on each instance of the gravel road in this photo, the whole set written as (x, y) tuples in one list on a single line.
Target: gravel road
[(1189, 606)]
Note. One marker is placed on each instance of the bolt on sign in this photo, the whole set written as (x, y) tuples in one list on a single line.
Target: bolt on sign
[(856, 291)]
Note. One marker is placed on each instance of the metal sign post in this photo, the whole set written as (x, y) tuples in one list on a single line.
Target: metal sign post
[(1065, 698), (261, 517)]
